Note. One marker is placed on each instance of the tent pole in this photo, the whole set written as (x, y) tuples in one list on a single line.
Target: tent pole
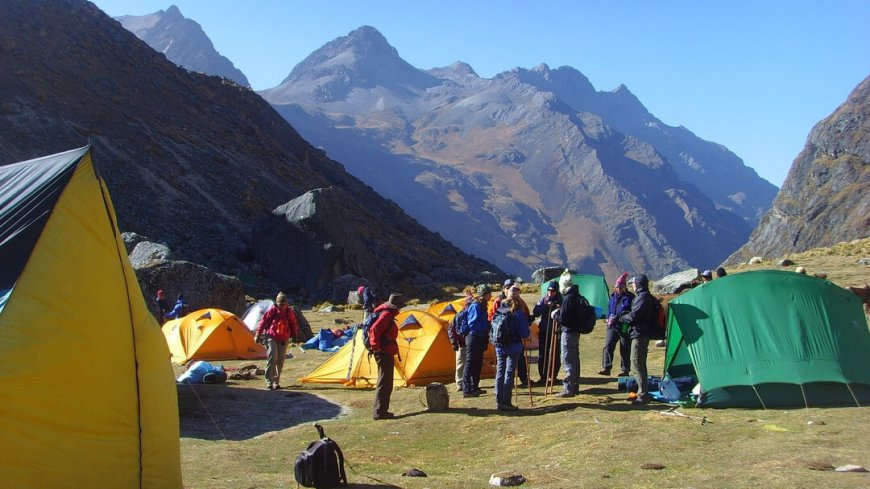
[(849, 386), (803, 393), (759, 397)]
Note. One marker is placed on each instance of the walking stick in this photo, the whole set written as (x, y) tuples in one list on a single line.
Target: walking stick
[(551, 370), (528, 365)]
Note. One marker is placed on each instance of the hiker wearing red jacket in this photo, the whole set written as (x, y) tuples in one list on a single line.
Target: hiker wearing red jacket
[(382, 340), (276, 328)]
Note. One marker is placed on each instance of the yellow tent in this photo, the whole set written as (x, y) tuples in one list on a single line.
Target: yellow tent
[(425, 352), (447, 309), (211, 334), (88, 393)]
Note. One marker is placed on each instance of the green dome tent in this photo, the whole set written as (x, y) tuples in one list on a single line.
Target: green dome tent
[(770, 338), (592, 287)]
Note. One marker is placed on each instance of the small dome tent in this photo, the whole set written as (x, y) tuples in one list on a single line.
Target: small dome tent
[(770, 338)]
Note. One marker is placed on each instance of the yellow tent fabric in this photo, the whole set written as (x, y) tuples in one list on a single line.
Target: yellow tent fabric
[(88, 393), (350, 366), (424, 349), (211, 334)]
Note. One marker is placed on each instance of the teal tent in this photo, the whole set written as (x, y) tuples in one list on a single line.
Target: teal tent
[(770, 338), (592, 287)]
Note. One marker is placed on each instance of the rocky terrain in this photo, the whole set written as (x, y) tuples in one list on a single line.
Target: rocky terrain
[(824, 199), (195, 161), (543, 168)]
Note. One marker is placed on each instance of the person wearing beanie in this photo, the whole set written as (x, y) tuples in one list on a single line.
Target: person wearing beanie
[(476, 342), (369, 300), (548, 335), (382, 340), (707, 275), (569, 317), (640, 319), (162, 306), (617, 332), (274, 330), (179, 310), (720, 272)]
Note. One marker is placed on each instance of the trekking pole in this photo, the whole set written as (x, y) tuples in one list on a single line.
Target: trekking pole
[(544, 350), (551, 377), (529, 380)]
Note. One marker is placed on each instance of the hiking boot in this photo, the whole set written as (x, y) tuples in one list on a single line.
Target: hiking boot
[(479, 391), (539, 383), (624, 374), (470, 394), (276, 387), (270, 386), (565, 394), (638, 401), (605, 371), (386, 415), (507, 407)]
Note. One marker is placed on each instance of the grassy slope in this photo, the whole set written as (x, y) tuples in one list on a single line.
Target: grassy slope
[(593, 440)]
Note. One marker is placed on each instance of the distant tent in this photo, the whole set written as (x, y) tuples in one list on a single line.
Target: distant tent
[(592, 287), (211, 334), (445, 310), (255, 312), (425, 351), (771, 338), (88, 394)]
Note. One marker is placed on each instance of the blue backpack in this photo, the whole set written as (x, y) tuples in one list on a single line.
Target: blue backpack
[(366, 328), (458, 328)]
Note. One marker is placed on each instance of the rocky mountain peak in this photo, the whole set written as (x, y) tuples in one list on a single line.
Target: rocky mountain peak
[(823, 200), (183, 42)]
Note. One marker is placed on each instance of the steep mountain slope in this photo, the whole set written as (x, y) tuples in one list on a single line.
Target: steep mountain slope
[(505, 168), (190, 159), (825, 198), (183, 42)]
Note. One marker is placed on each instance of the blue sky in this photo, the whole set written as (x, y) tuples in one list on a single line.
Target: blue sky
[(754, 76)]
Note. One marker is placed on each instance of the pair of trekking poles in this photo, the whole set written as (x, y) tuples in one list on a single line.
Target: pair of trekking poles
[(550, 347)]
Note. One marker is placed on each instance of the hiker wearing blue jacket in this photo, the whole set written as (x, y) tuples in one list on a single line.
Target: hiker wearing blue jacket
[(180, 309), (508, 354), (617, 332), (476, 341)]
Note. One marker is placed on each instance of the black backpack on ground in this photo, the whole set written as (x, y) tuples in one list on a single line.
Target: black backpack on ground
[(321, 465)]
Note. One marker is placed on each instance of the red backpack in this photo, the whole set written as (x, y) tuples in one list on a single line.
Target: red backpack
[(660, 323)]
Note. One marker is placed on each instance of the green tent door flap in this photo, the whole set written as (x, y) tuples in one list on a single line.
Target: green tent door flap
[(771, 338)]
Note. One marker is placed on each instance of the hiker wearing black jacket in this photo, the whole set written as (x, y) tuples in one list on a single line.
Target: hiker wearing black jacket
[(569, 317), (640, 319), (547, 338)]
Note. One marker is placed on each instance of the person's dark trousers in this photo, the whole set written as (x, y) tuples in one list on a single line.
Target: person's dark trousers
[(639, 349), (545, 336), (612, 336), (384, 387), (475, 346)]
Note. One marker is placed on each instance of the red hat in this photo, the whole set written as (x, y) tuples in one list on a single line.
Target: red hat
[(361, 289), (621, 281)]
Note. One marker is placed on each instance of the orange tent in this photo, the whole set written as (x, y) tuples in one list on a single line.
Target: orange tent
[(211, 334), (425, 356)]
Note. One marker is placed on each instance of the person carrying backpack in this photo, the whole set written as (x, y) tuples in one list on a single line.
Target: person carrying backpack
[(476, 341), (275, 329), (570, 317), (547, 338), (617, 332), (179, 310), (457, 339), (515, 323), (383, 344), (640, 319), (369, 300), (522, 368)]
